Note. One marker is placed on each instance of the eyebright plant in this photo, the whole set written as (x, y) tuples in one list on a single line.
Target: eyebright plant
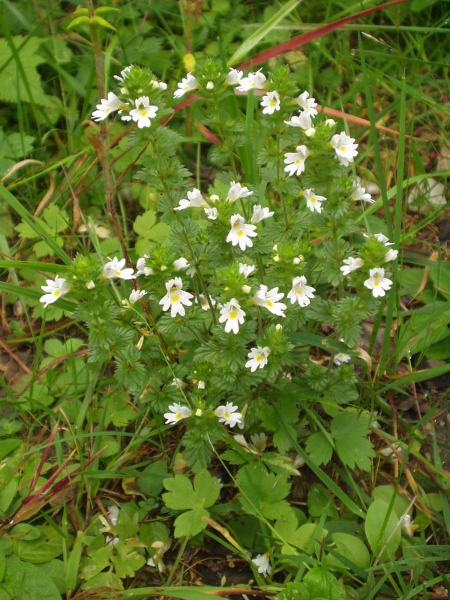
[(208, 328)]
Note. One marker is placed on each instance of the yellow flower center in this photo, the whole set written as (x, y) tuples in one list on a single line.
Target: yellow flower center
[(232, 314), (269, 303), (56, 293), (174, 299), (118, 273), (343, 148), (178, 416)]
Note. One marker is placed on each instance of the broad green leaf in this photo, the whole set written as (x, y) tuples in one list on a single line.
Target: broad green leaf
[(56, 570), (127, 560), (350, 429), (149, 533), (195, 499), (323, 584), (262, 493), (382, 530), (319, 448), (93, 565), (349, 547), (144, 223), (183, 495), (39, 550), (24, 580), (2, 564), (108, 581), (247, 530), (190, 523), (295, 591), (12, 86), (387, 493), (320, 502), (25, 532), (152, 478)]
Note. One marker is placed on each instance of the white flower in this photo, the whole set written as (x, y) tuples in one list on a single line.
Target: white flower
[(180, 264), (382, 238), (210, 85), (158, 85), (142, 269), (361, 194), (307, 104), (407, 526), (341, 358), (142, 113), (232, 313), (123, 74), (179, 383), (344, 147), (175, 298), (258, 358), (378, 283), (136, 295), (269, 299), (311, 132), (227, 415), (108, 106), (391, 254), (259, 440), (202, 300), (392, 453), (212, 213), (263, 563), (301, 292), (313, 201), (245, 270), (113, 514), (187, 84), (253, 81), (241, 233), (351, 264), (330, 123), (259, 214), (195, 199), (236, 191), (55, 289), (295, 161), (271, 102), (157, 560), (303, 121), (234, 77), (114, 268), (177, 412)]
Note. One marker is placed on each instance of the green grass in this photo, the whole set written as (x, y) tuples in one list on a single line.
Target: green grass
[(389, 69)]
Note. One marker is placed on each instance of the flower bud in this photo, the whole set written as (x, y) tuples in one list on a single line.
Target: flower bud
[(330, 123), (210, 85), (246, 289)]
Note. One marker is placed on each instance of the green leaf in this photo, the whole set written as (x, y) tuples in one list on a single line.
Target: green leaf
[(320, 502), (349, 429), (48, 546), (102, 22), (78, 21), (127, 560), (387, 493), (322, 584), (12, 86), (144, 223), (279, 464), (93, 565), (193, 498), (23, 580), (319, 448), (382, 530), (350, 547), (56, 570), (2, 564), (151, 481), (262, 493)]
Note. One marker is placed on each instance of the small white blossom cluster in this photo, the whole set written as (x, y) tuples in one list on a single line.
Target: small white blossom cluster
[(141, 112), (377, 282), (227, 414)]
